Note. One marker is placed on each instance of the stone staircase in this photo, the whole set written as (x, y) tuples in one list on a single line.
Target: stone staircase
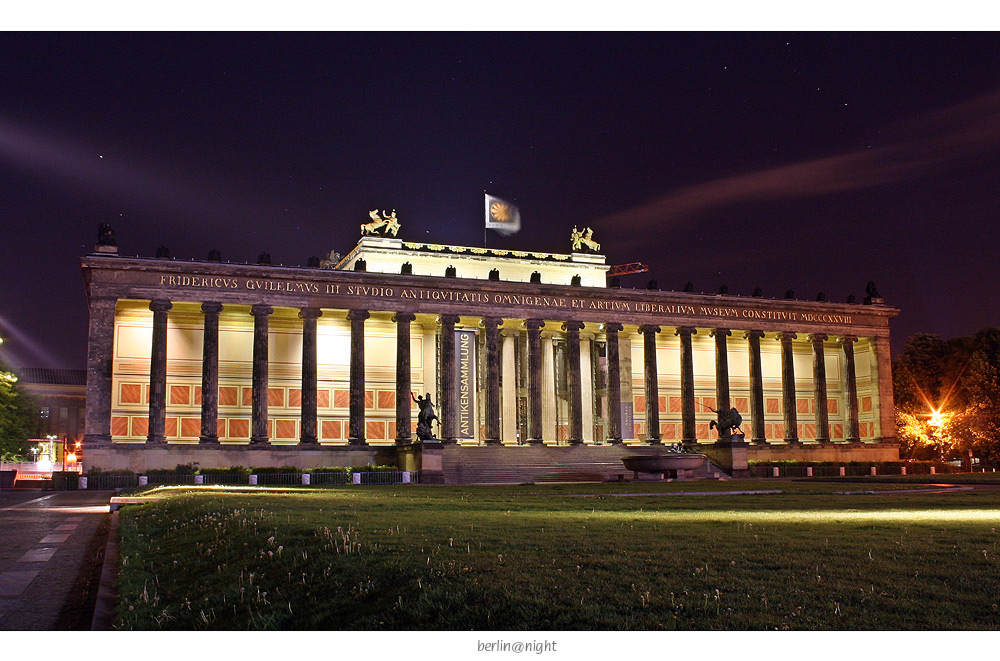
[(529, 463)]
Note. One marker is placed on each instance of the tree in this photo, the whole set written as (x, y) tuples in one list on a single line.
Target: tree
[(16, 418), (923, 378), (978, 424), (947, 396)]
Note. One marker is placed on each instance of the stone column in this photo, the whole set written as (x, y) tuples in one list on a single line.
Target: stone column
[(356, 433), (886, 416), (100, 354), (508, 388), (819, 388), (573, 384), (491, 325), (549, 387), (611, 330), (586, 388), (851, 383), (721, 368), (403, 392), (756, 386), (788, 403), (448, 404), (534, 380), (688, 433), (158, 372), (210, 374), (652, 383), (308, 399), (258, 422)]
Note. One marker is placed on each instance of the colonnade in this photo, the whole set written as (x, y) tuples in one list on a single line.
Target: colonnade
[(499, 412)]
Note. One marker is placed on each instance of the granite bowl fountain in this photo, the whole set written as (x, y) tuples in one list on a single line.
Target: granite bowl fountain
[(672, 465)]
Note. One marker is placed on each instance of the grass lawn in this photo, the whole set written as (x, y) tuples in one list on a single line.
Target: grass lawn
[(562, 557)]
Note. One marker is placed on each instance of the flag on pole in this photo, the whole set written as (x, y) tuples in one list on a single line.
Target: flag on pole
[(502, 216)]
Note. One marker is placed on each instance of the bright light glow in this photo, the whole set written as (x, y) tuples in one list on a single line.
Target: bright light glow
[(937, 419)]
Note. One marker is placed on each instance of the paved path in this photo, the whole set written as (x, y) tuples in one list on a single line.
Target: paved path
[(49, 543)]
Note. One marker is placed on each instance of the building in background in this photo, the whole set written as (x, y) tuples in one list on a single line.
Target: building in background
[(60, 397), (529, 358)]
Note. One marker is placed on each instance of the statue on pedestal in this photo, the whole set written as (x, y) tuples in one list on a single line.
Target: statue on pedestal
[(384, 225), (728, 421), (425, 416), (583, 241)]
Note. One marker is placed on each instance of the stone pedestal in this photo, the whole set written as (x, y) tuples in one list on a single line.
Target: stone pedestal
[(731, 455), (431, 465)]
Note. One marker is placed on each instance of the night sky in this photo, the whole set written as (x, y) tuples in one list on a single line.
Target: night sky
[(804, 161)]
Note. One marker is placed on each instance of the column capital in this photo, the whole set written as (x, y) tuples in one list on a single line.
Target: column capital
[(449, 319), (573, 326), (358, 315), (310, 313), (818, 338), (405, 317), (649, 328), (720, 332), (847, 339), (753, 333), (613, 327), (533, 324), (495, 322), (785, 336), (261, 310), (158, 305), (686, 331), (211, 308)]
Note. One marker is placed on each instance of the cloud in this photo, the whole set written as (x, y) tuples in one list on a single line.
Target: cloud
[(925, 144), (111, 174)]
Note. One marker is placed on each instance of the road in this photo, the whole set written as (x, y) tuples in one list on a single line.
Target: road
[(51, 544)]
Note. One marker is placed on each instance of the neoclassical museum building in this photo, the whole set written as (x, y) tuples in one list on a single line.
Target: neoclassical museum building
[(537, 369)]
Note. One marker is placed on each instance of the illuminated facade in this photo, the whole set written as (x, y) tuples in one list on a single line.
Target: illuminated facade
[(527, 354)]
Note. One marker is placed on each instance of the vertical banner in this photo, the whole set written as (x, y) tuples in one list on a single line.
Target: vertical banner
[(465, 384), (628, 420)]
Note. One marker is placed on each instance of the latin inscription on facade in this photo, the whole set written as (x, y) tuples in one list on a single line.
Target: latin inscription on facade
[(507, 300)]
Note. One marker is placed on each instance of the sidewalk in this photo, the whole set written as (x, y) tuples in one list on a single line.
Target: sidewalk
[(50, 545)]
